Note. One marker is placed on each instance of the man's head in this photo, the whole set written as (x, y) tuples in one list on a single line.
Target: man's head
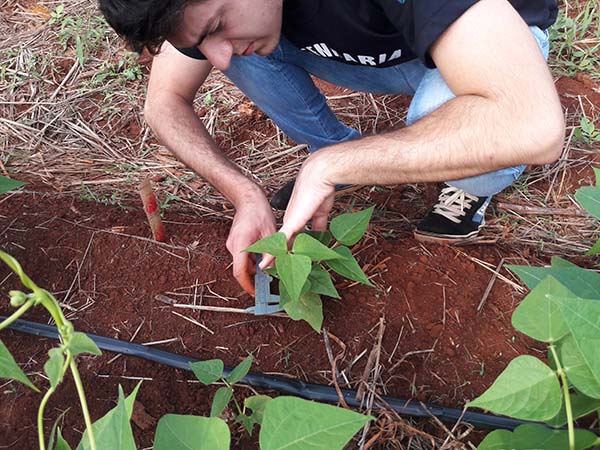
[(219, 28), (143, 23)]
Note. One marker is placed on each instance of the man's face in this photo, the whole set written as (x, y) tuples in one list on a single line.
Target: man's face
[(224, 28)]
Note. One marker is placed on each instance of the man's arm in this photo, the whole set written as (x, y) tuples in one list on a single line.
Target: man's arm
[(174, 81), (506, 112)]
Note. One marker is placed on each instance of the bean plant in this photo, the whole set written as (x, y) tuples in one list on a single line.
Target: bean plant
[(562, 310), (61, 358), (302, 276), (286, 422)]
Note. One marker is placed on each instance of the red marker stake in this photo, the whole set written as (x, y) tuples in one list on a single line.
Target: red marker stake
[(152, 212)]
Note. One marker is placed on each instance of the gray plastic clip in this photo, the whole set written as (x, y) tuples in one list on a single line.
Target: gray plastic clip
[(264, 302)]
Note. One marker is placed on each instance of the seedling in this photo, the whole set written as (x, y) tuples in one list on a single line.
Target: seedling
[(285, 422), (562, 310), (62, 358), (302, 277)]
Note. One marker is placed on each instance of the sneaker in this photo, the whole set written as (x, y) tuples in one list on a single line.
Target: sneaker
[(457, 216), (281, 198)]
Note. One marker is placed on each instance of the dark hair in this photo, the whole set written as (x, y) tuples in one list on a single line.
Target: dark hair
[(143, 23)]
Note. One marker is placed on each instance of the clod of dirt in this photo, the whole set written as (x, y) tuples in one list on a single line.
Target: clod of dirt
[(141, 418)]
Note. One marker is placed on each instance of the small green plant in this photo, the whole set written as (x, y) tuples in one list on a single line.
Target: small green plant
[(125, 69), (586, 132), (285, 422), (562, 310), (575, 44), (86, 31), (302, 277), (61, 358)]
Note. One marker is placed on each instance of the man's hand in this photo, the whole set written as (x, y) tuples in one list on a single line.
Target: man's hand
[(253, 221), (312, 198)]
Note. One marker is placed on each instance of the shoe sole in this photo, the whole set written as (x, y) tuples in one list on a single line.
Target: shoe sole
[(444, 239)]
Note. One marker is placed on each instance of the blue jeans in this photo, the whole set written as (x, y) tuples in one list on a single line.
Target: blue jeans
[(280, 84)]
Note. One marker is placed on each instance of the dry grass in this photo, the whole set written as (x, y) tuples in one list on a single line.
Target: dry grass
[(78, 129)]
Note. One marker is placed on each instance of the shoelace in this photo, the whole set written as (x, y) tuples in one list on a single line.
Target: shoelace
[(452, 203)]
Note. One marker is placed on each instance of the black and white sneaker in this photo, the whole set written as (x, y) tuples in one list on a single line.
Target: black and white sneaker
[(457, 216)]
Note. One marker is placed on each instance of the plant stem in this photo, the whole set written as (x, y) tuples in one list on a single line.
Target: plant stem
[(47, 395), (18, 313), (237, 405), (84, 407), (565, 386)]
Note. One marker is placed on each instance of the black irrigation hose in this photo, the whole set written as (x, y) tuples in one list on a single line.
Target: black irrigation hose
[(285, 386)]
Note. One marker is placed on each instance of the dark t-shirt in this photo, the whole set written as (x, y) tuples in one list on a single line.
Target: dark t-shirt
[(382, 33)]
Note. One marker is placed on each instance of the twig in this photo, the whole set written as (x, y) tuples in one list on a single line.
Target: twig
[(377, 351), (334, 372), (489, 286), (541, 211), (195, 322)]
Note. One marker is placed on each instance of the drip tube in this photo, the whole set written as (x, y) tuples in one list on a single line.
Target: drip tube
[(299, 388)]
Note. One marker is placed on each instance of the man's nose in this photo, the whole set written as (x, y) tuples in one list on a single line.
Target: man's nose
[(218, 51)]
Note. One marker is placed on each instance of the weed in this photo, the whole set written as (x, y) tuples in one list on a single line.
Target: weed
[(576, 40), (587, 132)]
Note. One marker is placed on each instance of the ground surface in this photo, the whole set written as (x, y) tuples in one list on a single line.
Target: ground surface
[(79, 231)]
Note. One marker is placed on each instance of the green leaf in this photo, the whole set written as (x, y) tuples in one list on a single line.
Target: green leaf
[(115, 431), (583, 319), (295, 424), (309, 246), (257, 403), (221, 400), (271, 271), (208, 371), (11, 370), (577, 370), (348, 267), (349, 228), (594, 250), (293, 271), (589, 198), (240, 371), (53, 366), (324, 237), (176, 432), (307, 307), (597, 173), (581, 405), (581, 282), (8, 184), (53, 431), (81, 343), (321, 283), (527, 389), (538, 316), (106, 427), (61, 444), (275, 245), (497, 440), (535, 437), (557, 261)]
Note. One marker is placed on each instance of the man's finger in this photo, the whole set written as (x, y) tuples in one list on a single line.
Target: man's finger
[(241, 274), (267, 261)]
